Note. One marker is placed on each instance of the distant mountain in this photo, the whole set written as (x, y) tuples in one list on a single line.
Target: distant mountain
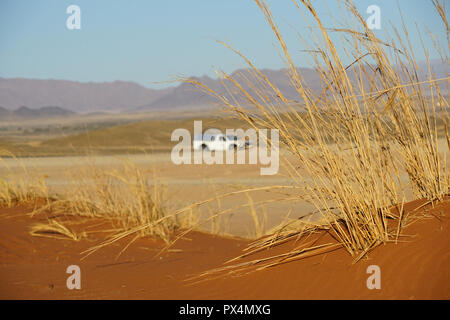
[(120, 96), (4, 112), (189, 96), (75, 96), (23, 113)]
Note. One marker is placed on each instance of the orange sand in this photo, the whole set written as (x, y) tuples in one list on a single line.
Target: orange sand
[(35, 268)]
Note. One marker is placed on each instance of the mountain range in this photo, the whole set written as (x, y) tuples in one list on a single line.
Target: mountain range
[(27, 113), (69, 97)]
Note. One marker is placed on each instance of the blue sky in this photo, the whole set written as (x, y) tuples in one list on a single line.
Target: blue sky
[(149, 41)]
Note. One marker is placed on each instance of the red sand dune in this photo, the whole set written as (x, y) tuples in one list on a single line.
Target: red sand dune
[(35, 268)]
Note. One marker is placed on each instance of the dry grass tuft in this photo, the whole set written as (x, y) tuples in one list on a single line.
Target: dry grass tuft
[(55, 230), (131, 198), (356, 137), (21, 187)]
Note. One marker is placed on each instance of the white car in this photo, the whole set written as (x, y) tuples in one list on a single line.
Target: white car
[(217, 142)]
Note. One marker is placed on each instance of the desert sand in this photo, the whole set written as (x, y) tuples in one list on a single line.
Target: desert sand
[(417, 267)]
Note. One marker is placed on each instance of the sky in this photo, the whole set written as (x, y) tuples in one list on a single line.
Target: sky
[(151, 42)]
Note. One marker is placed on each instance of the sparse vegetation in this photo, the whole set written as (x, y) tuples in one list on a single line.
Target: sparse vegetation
[(130, 198), (354, 141)]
